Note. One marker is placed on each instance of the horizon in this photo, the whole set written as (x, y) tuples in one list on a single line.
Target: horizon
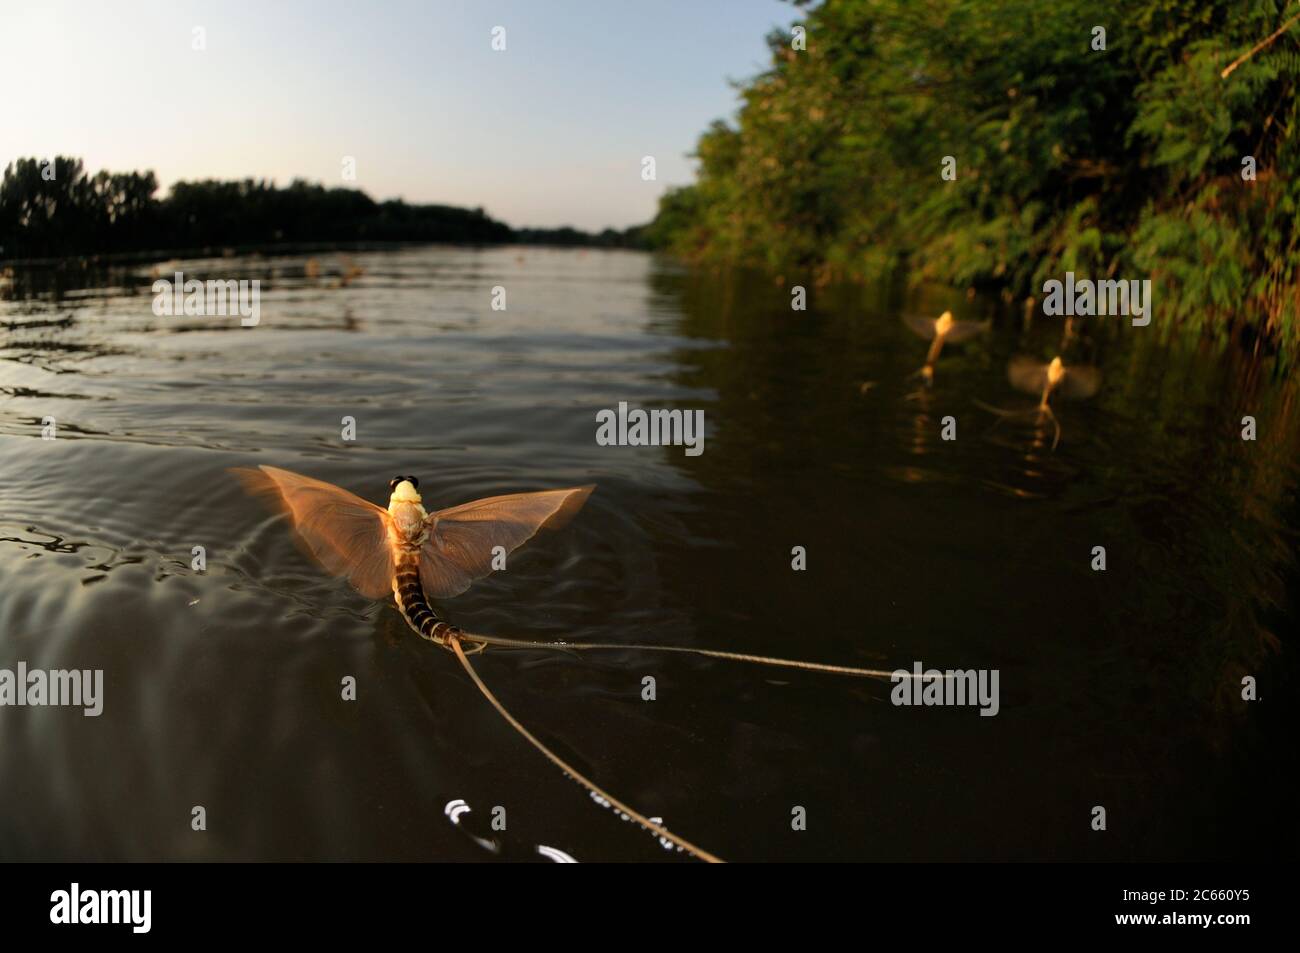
[(480, 128)]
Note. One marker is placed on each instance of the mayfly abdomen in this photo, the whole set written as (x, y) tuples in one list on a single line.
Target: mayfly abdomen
[(410, 600)]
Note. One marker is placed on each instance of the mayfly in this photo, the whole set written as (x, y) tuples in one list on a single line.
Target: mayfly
[(939, 331), (1075, 381), (419, 557)]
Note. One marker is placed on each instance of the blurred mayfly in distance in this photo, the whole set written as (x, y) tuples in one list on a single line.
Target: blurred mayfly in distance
[(939, 331), (1046, 379)]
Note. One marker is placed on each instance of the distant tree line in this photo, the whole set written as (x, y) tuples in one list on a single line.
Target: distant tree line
[(53, 208), (609, 238)]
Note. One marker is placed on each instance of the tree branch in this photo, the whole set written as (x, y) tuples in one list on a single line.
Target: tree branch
[(1258, 46)]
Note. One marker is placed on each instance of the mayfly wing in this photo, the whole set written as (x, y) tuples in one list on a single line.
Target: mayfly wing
[(462, 539), (965, 330), (345, 534), (1079, 382), (1027, 374), (921, 326)]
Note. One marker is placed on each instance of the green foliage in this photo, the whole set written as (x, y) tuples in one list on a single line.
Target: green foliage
[(1121, 161)]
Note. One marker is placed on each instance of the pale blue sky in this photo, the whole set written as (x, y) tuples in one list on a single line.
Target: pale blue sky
[(549, 132)]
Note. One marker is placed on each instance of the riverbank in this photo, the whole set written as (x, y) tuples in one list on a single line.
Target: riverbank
[(1129, 141)]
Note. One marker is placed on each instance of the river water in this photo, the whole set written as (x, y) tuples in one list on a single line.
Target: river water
[(222, 687)]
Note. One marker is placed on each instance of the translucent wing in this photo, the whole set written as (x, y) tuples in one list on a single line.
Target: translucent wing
[(1080, 382), (965, 330), (461, 539), (345, 534), (921, 327), (1027, 374)]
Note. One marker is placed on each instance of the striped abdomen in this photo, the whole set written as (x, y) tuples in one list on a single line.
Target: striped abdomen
[(410, 599)]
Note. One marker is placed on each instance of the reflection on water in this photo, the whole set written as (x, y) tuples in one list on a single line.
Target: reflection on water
[(222, 687)]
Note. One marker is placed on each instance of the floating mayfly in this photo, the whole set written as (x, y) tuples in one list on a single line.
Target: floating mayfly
[(1028, 374), (420, 556), (941, 330)]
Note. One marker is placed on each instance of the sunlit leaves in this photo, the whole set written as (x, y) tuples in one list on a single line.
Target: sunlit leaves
[(1124, 161)]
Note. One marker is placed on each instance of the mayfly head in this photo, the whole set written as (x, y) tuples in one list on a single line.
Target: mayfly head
[(944, 324), (405, 489), (405, 509), (1055, 371)]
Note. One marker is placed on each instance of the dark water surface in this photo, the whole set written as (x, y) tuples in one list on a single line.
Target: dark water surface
[(222, 688)]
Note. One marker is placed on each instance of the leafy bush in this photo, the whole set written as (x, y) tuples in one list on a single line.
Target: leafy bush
[(1125, 161)]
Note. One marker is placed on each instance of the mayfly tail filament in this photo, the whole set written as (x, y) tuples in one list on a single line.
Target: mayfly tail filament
[(483, 641), (454, 642)]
